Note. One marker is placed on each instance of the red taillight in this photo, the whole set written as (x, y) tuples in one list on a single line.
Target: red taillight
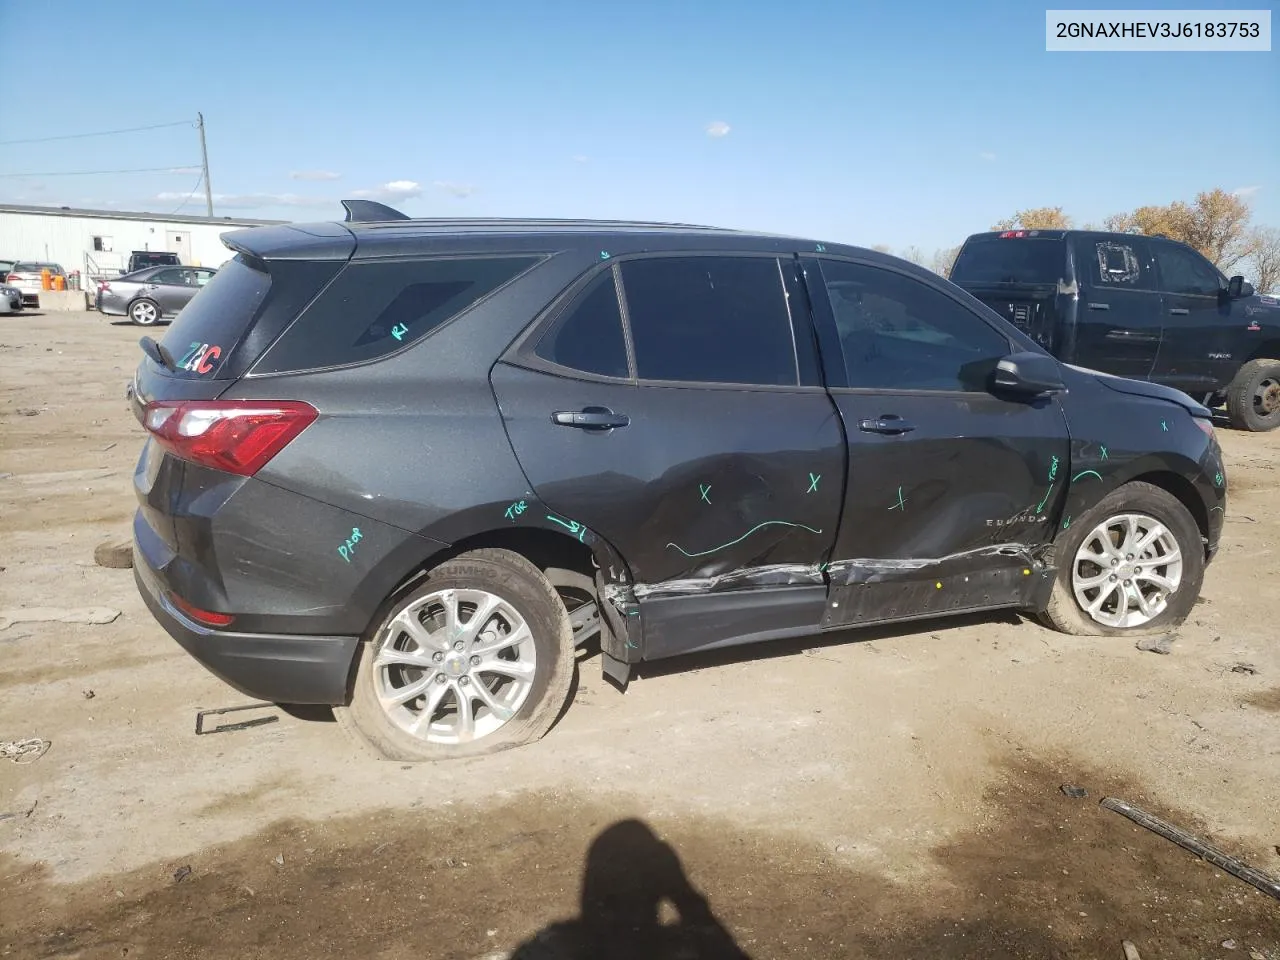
[(12, 278), (207, 617), (1205, 424), (238, 436), (1012, 233)]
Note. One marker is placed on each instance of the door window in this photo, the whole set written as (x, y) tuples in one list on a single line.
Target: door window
[(710, 320), (169, 277), (203, 277), (1183, 271), (1116, 264), (898, 333), (588, 335)]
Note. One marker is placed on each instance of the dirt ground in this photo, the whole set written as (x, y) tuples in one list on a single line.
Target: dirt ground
[(880, 794)]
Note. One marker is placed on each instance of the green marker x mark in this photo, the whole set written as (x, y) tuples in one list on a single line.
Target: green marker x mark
[(704, 489), (813, 482)]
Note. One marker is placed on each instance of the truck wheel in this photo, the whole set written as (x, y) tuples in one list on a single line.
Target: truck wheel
[(1130, 566), (1253, 399), (476, 658)]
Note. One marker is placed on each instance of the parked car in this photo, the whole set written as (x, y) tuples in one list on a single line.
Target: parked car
[(10, 300), (406, 467), (140, 259), (1136, 306), (26, 275), (149, 295), (6, 266)]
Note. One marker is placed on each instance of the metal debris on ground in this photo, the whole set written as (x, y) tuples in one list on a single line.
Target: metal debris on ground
[(278, 859), (1076, 793), (181, 874), (1130, 951), (1248, 668), (228, 727), (24, 751), (1239, 870), (1157, 644)]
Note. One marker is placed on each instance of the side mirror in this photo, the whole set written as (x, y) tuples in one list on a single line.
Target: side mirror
[(1237, 288), (1029, 374)]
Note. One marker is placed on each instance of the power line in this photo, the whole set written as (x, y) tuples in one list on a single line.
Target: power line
[(100, 133), (173, 167), (187, 198)]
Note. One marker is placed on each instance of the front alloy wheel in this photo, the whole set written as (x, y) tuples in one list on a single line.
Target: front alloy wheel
[(1126, 570)]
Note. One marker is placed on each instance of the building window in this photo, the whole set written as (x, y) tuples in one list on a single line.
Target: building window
[(101, 244)]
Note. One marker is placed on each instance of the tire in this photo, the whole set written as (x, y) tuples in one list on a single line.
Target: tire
[(144, 312), (1152, 504), (526, 684), (1253, 399)]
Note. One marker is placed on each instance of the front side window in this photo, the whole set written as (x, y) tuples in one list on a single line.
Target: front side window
[(712, 319), (1183, 271), (897, 332)]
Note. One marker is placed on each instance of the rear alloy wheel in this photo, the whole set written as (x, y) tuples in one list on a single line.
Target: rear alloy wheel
[(1253, 399), (476, 658), (144, 312), (1132, 565)]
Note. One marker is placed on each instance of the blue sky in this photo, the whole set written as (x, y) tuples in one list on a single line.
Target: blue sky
[(894, 123)]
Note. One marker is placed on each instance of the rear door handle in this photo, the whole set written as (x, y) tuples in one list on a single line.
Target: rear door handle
[(888, 423), (590, 418), (1099, 306), (1179, 311), (1132, 336)]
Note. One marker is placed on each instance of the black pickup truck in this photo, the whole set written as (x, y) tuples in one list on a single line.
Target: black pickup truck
[(1144, 307)]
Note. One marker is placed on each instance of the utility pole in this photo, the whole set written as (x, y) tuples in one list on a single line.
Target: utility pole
[(204, 157)]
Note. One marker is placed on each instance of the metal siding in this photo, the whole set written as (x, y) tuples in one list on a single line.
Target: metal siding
[(68, 239)]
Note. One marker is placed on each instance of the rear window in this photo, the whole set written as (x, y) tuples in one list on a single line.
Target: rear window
[(374, 308), (1010, 260), (209, 328), (29, 266)]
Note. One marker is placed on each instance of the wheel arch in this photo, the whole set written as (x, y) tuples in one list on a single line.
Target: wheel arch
[(1267, 350), (1184, 491)]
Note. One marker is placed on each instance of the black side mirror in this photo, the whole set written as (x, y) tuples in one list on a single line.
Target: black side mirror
[(1238, 288), (1029, 375)]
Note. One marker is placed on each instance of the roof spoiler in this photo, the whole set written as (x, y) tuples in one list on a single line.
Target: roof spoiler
[(370, 211)]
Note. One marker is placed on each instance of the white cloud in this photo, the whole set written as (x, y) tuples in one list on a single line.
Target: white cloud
[(314, 175), (252, 201), (986, 155), (580, 158), (1245, 191), (718, 128), (459, 190), (395, 190)]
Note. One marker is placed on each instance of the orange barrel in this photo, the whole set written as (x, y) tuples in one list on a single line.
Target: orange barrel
[(46, 279), (59, 282)]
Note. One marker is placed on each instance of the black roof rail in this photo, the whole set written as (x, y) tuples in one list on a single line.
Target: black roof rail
[(370, 211)]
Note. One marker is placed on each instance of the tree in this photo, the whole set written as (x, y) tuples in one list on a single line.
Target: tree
[(914, 254), (1216, 224), (943, 260), (882, 248), (1038, 218), (1265, 260)]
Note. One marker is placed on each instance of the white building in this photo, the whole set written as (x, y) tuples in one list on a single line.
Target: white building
[(97, 243)]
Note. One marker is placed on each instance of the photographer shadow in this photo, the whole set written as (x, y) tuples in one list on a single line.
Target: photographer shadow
[(629, 875)]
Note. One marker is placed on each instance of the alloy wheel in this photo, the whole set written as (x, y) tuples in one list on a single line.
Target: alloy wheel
[(1126, 570), (454, 666)]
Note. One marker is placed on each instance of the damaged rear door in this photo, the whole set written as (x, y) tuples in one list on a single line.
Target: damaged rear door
[(952, 492), (691, 430)]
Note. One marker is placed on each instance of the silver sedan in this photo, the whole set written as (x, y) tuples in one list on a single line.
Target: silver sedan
[(152, 294)]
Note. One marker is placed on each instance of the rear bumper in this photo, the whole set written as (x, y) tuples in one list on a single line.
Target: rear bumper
[(280, 668)]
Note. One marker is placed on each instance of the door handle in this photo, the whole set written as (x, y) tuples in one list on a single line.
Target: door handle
[(1179, 311), (889, 423), (1132, 336), (590, 418), (1099, 306)]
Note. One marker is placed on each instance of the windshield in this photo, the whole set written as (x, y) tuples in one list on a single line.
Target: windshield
[(1011, 260)]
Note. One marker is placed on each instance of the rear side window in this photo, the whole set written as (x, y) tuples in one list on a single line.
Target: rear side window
[(588, 335), (1116, 263), (374, 308), (710, 320), (998, 260)]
